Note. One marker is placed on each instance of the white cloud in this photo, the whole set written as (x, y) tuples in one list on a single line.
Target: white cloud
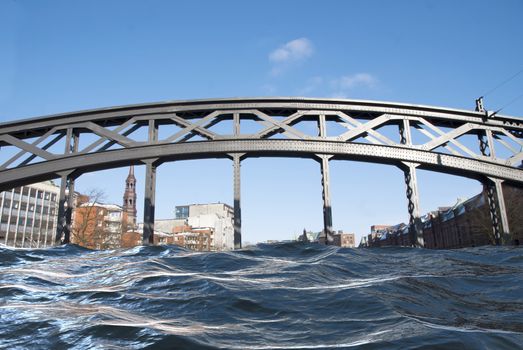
[(348, 82), (344, 85), (294, 50)]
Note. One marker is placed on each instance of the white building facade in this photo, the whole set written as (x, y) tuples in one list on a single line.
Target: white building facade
[(215, 216), (29, 215)]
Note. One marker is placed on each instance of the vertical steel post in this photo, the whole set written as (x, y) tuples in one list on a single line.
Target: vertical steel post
[(411, 183), (237, 203), (149, 202), (415, 227), (70, 196), (505, 237), (325, 183), (493, 188), (150, 190), (236, 120), (327, 208), (61, 224)]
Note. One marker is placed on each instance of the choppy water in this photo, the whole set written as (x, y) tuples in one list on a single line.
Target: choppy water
[(287, 296)]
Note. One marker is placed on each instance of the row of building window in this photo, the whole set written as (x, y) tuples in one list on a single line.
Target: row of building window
[(34, 194), (29, 211)]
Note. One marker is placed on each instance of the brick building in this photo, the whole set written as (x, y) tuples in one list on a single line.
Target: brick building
[(466, 224), (97, 226)]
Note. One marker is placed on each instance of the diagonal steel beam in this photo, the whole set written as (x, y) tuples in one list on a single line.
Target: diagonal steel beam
[(200, 130), (506, 144), (364, 128), (104, 139), (35, 143), (193, 126), (448, 137), (372, 132), (109, 134), (367, 137), (45, 147), (276, 125), (27, 147), (126, 133), (432, 137), (515, 159)]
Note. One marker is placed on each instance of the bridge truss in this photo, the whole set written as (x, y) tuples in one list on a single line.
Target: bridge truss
[(465, 143)]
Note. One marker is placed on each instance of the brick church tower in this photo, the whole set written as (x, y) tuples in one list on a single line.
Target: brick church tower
[(129, 202)]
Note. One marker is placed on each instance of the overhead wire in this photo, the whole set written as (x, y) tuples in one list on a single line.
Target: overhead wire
[(500, 85), (503, 83), (507, 104)]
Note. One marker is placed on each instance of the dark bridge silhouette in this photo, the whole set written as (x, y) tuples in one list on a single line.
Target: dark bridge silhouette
[(51, 146)]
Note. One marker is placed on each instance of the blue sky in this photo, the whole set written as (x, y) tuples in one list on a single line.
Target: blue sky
[(59, 56)]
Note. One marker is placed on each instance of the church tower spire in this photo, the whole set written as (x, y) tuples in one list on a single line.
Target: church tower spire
[(129, 202)]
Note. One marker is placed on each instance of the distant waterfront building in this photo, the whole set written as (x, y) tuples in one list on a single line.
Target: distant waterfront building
[(29, 215), (217, 218), (200, 227), (344, 240), (309, 236), (134, 238), (339, 239), (97, 225), (198, 239), (466, 224)]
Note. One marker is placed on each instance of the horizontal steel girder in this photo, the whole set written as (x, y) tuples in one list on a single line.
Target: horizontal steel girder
[(82, 163), (114, 115)]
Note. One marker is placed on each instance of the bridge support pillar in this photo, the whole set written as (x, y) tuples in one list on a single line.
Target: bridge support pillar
[(327, 208), (66, 200), (415, 225), (65, 210), (411, 182), (150, 189), (237, 204), (493, 188), (498, 211), (149, 202)]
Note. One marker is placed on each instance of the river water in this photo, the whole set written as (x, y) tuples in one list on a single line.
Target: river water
[(286, 296)]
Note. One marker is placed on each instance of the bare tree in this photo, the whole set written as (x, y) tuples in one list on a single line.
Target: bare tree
[(88, 230)]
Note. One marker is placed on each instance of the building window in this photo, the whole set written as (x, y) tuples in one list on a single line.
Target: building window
[(182, 212)]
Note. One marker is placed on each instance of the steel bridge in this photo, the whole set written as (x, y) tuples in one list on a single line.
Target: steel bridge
[(407, 136)]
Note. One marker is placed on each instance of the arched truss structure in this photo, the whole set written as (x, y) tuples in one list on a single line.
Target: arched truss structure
[(459, 142)]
